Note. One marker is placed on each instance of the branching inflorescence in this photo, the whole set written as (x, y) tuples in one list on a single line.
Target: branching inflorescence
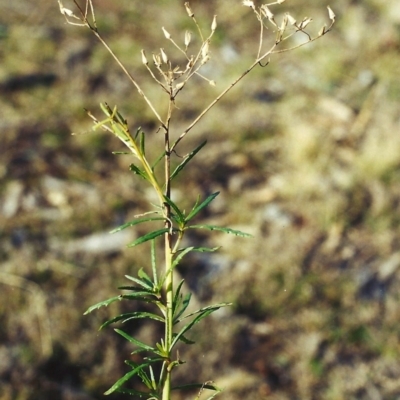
[(160, 289)]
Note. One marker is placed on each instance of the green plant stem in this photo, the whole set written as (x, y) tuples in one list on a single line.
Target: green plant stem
[(169, 283), (169, 315)]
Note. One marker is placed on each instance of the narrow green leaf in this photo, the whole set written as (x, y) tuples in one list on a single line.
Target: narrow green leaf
[(143, 282), (134, 315), (180, 216), (185, 304), (124, 379), (148, 381), (161, 349), (142, 374), (153, 262), (199, 207), (142, 296), (106, 109), (186, 340), (103, 303), (222, 229), (119, 118), (177, 297), (138, 130), (179, 257), (142, 143), (136, 222), (197, 386), (142, 274), (206, 249), (176, 262), (138, 343), (182, 165), (136, 289), (120, 131), (136, 170), (202, 314), (213, 307), (148, 237), (153, 380), (142, 314)]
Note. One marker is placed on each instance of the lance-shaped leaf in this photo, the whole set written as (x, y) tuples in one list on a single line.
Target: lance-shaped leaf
[(145, 296), (149, 381), (117, 385), (182, 165), (136, 222), (199, 207), (136, 342), (220, 228), (138, 171), (143, 281), (137, 289), (176, 262), (142, 142), (154, 263), (206, 249), (213, 307), (148, 237), (202, 313), (177, 297), (144, 277), (185, 340), (103, 303), (209, 386), (180, 218), (185, 303), (179, 257), (133, 315)]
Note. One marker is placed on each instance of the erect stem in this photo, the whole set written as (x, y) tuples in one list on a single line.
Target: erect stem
[(168, 258)]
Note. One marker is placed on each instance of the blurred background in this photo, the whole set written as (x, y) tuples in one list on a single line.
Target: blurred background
[(305, 152)]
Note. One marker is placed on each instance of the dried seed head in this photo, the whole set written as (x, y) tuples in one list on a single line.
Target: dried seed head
[(65, 11), (267, 12), (284, 24), (189, 10), (164, 56), (212, 83), (205, 59), (332, 15), (188, 37), (305, 22), (322, 31), (144, 58), (180, 85), (248, 3), (190, 63), (204, 49), (214, 24), (157, 59), (291, 20), (166, 34)]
